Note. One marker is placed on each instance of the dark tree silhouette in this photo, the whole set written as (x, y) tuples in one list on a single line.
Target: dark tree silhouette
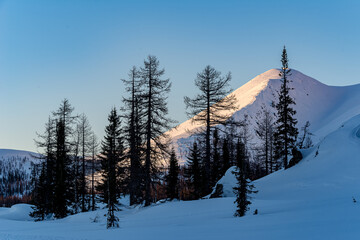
[(172, 179), (154, 109), (212, 106), (133, 129), (286, 131), (111, 155)]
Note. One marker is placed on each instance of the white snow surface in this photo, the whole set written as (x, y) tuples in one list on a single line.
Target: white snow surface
[(312, 200), (19, 154), (326, 107), (228, 181)]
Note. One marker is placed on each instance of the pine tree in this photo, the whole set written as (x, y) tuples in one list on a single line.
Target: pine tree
[(208, 108), (40, 193), (172, 179), (132, 131), (216, 166), (154, 109), (193, 171), (111, 155), (43, 194), (244, 188), (225, 156), (62, 195), (64, 181), (286, 131)]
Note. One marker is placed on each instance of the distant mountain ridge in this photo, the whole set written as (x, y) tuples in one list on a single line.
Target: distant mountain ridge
[(15, 175)]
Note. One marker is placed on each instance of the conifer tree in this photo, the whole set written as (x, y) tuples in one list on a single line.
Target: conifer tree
[(172, 179), (133, 131), (63, 189), (209, 108), (93, 148), (225, 156), (244, 188), (43, 192), (193, 171), (216, 166), (62, 195), (264, 129), (85, 134), (111, 155), (40, 194), (154, 109), (286, 131)]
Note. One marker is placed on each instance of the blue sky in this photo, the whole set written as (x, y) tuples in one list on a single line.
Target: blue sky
[(51, 50)]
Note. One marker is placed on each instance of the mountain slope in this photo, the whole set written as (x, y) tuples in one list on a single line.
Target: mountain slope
[(326, 107), (312, 200), (15, 175)]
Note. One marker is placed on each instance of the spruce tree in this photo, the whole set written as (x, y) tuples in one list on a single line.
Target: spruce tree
[(154, 109), (216, 165), (64, 174), (225, 156), (111, 155), (172, 179), (286, 131), (210, 107), (193, 171), (62, 195), (43, 191), (244, 187)]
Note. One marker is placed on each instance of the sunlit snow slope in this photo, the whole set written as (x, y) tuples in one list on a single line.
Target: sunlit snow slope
[(326, 107)]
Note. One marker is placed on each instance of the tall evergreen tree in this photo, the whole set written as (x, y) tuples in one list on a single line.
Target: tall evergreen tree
[(43, 190), (63, 189), (154, 109), (216, 165), (286, 131), (172, 179), (133, 130), (193, 171), (62, 195), (209, 108), (111, 155), (225, 156), (244, 188)]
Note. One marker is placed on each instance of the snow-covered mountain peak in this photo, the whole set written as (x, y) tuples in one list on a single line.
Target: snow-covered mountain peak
[(326, 107)]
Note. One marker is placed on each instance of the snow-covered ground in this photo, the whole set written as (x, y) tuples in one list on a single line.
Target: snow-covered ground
[(312, 200)]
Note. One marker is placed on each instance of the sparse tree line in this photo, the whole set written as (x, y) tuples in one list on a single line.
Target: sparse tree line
[(135, 157)]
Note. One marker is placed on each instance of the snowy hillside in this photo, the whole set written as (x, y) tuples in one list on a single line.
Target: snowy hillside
[(312, 200), (15, 174), (8, 153), (326, 107)]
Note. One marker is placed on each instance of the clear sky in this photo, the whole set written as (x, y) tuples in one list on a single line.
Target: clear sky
[(51, 50)]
